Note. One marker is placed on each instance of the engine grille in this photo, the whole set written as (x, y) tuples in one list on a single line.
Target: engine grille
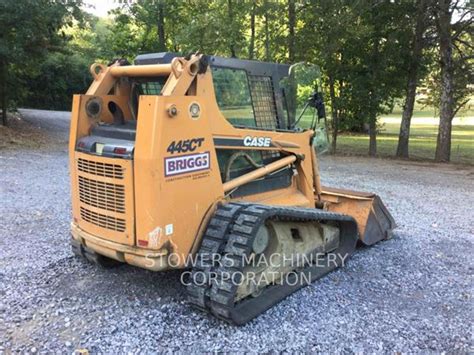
[(104, 201), (102, 220), (114, 171), (107, 196)]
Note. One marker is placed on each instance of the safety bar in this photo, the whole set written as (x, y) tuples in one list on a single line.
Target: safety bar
[(98, 69), (258, 173), (141, 70)]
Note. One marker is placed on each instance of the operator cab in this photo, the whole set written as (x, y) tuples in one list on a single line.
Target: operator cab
[(250, 94)]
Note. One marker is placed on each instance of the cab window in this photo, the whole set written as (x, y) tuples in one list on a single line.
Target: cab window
[(233, 96)]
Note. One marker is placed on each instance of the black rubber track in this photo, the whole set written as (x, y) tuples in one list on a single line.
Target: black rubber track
[(212, 244), (81, 251), (230, 235)]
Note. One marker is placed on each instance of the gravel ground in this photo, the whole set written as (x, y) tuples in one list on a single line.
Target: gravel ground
[(412, 293)]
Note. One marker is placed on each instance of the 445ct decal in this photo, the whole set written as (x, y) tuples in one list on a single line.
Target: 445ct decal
[(185, 145)]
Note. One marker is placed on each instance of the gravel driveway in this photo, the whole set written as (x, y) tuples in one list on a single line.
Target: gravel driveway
[(411, 293)]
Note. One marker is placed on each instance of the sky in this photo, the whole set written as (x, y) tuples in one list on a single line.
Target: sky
[(100, 7)]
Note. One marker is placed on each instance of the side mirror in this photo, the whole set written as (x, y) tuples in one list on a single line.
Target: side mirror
[(316, 101)]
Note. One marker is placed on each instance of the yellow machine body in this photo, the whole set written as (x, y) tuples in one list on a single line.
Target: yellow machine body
[(143, 210)]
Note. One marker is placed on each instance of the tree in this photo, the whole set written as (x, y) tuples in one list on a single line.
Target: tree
[(291, 30), (448, 34), (230, 12), (329, 26), (371, 52), (443, 25), (216, 28), (413, 76), (271, 29), (361, 48), (30, 30), (59, 77), (383, 60), (253, 14), (161, 27)]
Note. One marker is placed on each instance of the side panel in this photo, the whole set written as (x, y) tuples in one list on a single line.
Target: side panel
[(172, 201), (102, 188), (289, 142)]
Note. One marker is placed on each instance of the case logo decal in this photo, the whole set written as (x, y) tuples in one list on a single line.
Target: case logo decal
[(187, 164), (250, 141)]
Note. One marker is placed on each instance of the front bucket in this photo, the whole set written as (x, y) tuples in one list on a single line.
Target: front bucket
[(374, 221)]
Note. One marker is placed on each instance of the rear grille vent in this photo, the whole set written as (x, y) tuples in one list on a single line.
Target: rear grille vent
[(102, 194), (101, 220), (100, 169), (107, 196)]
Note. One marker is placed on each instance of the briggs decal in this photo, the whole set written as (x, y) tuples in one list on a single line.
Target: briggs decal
[(187, 164)]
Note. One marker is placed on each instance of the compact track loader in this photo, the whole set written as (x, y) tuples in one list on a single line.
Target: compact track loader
[(209, 165)]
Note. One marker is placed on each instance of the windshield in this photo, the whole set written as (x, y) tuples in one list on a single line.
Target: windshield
[(298, 86), (301, 93)]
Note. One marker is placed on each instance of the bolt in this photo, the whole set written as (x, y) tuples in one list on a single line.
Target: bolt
[(172, 111)]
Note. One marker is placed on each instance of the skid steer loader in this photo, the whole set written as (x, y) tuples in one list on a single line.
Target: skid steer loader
[(209, 165)]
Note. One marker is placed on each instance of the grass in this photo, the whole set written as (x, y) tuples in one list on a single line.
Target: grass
[(423, 134), (422, 145)]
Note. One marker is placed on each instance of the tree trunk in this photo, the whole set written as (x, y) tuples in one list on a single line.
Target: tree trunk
[(446, 110), (4, 110), (443, 144), (373, 101), (291, 30), (412, 82), (373, 134), (3, 91), (231, 23), (334, 114), (161, 28), (252, 30), (404, 135), (267, 34)]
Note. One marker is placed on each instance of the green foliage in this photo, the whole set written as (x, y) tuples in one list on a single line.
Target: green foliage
[(31, 28), (362, 47), (29, 31), (463, 65), (60, 76)]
